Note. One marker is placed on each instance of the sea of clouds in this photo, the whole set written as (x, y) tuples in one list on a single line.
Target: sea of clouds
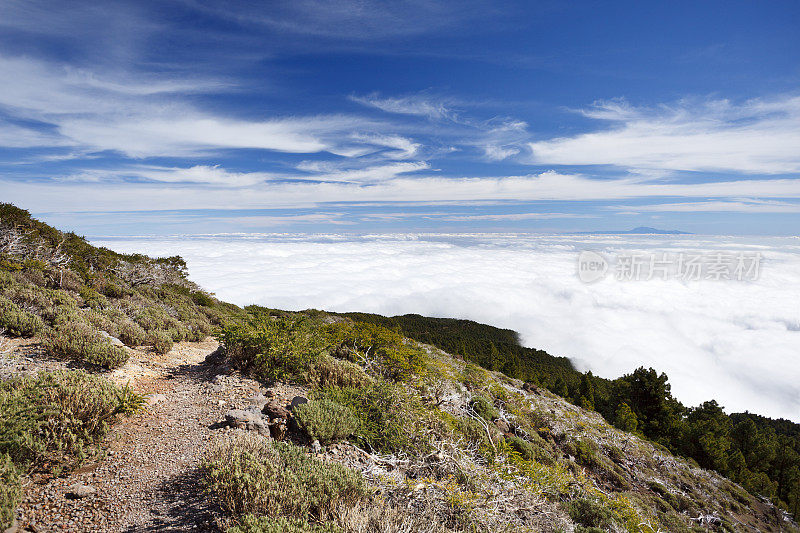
[(734, 341)]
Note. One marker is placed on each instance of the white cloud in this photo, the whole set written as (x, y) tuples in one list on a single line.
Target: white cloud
[(742, 206), (417, 104), (148, 116), (732, 341), (498, 153), (378, 184), (757, 136), (202, 174), (354, 20), (511, 216)]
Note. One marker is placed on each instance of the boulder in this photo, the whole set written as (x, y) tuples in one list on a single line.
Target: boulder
[(79, 491), (297, 400), (245, 419), (115, 341), (274, 409), (257, 398)]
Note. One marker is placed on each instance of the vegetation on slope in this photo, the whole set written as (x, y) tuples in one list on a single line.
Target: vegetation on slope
[(760, 453), (475, 452), (78, 298)]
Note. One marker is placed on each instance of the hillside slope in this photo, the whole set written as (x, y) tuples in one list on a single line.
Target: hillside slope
[(304, 422)]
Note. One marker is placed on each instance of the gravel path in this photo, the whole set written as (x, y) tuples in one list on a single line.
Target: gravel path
[(149, 480)]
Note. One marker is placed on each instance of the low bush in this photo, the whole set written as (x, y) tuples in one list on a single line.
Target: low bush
[(265, 524), (92, 298), (327, 371), (275, 348), (384, 352), (10, 491), (79, 341), (252, 475), (161, 341), (484, 408), (51, 420), (523, 447), (16, 322), (326, 420), (131, 333), (590, 513), (386, 414), (475, 433)]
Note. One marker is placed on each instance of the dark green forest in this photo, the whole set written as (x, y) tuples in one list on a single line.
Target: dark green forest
[(760, 453)]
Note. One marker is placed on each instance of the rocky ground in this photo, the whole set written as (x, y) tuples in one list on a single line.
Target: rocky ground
[(148, 477)]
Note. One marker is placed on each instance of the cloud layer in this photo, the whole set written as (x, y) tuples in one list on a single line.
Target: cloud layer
[(732, 341)]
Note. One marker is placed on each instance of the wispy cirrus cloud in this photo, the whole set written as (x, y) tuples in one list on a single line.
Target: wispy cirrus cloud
[(749, 205), (152, 116), (420, 104), (755, 136)]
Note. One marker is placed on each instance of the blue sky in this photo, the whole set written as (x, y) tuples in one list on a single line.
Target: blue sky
[(406, 116)]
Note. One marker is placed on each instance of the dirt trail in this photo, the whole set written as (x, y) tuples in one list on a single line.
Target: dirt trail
[(149, 479)]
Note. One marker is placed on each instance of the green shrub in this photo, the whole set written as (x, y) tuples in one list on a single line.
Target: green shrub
[(6, 279), (474, 377), (203, 299), (385, 414), (474, 432), (327, 371), (265, 524), (585, 452), (385, 350), (525, 448), (10, 491), (161, 341), (52, 418), (112, 290), (102, 321), (153, 317), (132, 333), (326, 420), (92, 298), (81, 342), (484, 408), (589, 513), (17, 322), (252, 475), (275, 349)]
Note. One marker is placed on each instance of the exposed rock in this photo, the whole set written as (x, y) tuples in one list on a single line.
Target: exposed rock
[(115, 341), (298, 400), (257, 398), (79, 490), (13, 528), (316, 446), (245, 419), (274, 409)]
